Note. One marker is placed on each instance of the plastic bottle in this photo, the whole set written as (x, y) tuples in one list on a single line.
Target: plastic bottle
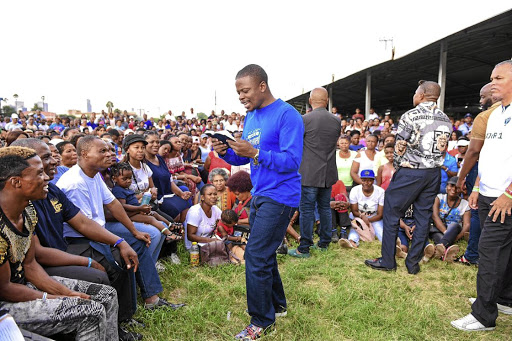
[(146, 198), (194, 254)]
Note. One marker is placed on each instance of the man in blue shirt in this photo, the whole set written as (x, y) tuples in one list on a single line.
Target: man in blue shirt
[(272, 142), (449, 169)]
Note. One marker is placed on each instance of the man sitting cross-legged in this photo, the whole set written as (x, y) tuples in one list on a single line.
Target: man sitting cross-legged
[(37, 301)]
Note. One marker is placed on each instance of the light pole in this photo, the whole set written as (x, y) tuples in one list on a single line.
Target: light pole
[(42, 97), (15, 102)]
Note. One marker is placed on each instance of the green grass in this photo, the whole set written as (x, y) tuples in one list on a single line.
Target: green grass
[(331, 296)]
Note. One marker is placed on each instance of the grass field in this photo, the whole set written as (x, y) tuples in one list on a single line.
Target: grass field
[(331, 296)]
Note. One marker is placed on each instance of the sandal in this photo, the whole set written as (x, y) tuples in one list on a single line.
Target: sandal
[(173, 237)]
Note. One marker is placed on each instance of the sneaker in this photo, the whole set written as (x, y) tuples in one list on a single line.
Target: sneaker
[(161, 303), (345, 243), (126, 335), (343, 233), (253, 332), (463, 260), (451, 253), (175, 259), (400, 253), (159, 267), (297, 254), (282, 249), (501, 308), (470, 324), (440, 250), (428, 252)]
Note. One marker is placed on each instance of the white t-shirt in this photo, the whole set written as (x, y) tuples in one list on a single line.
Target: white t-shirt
[(496, 156), (366, 204), (88, 194), (205, 225), (140, 180)]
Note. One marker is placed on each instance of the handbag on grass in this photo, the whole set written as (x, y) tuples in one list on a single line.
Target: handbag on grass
[(366, 233), (216, 253)]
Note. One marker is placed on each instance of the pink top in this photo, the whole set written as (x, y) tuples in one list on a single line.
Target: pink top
[(387, 174)]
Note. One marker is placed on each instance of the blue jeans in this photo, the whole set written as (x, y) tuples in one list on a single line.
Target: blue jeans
[(475, 230), (146, 276), (308, 198), (265, 293), (157, 238)]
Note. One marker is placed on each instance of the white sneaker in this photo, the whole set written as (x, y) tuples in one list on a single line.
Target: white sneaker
[(175, 259), (501, 308), (470, 324), (159, 267)]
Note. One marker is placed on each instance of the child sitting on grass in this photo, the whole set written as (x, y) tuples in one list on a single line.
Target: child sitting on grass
[(225, 229), (122, 175)]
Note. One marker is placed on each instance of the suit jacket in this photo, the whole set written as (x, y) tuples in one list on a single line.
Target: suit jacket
[(321, 132)]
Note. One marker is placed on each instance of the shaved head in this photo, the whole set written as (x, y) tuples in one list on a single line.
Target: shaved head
[(486, 99), (85, 144), (31, 143), (318, 98), (432, 90)]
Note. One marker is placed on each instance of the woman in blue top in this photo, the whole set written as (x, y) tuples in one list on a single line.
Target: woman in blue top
[(174, 201)]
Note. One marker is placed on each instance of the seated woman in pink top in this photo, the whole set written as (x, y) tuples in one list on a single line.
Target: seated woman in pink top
[(386, 171)]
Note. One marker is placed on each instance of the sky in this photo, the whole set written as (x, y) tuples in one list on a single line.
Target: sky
[(155, 56)]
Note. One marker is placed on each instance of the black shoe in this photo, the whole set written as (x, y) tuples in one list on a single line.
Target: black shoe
[(413, 271), (133, 323), (125, 335), (282, 249), (161, 303), (376, 265)]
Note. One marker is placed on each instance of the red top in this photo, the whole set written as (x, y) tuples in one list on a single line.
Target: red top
[(229, 230), (217, 162), (339, 193)]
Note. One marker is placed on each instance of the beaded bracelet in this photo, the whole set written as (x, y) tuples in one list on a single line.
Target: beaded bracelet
[(90, 262), (119, 242), (165, 229), (508, 191)]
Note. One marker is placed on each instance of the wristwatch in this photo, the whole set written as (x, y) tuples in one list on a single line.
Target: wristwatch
[(255, 158)]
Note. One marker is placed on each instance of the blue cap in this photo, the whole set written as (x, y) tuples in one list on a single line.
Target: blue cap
[(367, 174), (468, 115)]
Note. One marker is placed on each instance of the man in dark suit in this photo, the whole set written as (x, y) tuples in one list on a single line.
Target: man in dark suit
[(319, 173)]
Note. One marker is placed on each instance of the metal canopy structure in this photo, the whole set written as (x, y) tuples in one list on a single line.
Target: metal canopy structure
[(464, 59)]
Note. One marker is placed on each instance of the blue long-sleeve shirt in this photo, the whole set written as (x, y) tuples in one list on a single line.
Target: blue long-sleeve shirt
[(277, 130)]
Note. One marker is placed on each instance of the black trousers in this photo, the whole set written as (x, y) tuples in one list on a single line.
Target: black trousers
[(494, 278), (119, 280), (418, 187), (81, 273)]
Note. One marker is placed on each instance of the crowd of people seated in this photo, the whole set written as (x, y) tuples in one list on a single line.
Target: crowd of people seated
[(120, 187)]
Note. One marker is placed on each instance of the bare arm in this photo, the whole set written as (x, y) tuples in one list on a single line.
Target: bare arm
[(466, 223), (93, 231), (191, 235), (436, 218), (54, 257), (354, 170), (119, 213), (470, 159), (379, 175)]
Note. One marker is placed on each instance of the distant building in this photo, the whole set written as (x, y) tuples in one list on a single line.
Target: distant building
[(89, 106), (43, 105)]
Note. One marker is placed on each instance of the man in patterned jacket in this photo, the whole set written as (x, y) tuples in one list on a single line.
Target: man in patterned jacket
[(422, 137)]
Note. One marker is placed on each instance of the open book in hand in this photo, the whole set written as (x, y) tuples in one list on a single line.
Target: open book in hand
[(222, 136)]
